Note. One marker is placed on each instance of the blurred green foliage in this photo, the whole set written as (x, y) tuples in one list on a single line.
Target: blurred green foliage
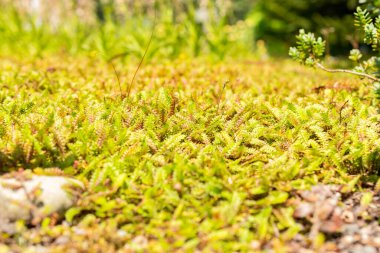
[(310, 49), (278, 21), (182, 29), (216, 28)]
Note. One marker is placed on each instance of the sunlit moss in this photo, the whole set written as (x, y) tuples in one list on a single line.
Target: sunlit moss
[(197, 157)]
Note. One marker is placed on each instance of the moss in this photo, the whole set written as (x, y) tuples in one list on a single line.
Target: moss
[(188, 161)]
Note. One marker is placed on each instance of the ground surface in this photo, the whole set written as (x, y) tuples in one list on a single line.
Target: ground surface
[(199, 156)]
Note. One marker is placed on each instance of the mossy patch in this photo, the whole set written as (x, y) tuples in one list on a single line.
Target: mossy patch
[(200, 156)]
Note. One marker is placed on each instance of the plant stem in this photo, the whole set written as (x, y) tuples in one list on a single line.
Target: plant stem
[(347, 71), (129, 88), (118, 80)]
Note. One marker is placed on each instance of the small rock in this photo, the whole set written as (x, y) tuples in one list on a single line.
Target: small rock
[(369, 249), (365, 238), (7, 227), (331, 227), (309, 196), (325, 209), (62, 240), (351, 229), (347, 240), (303, 210), (356, 249), (36, 196), (306, 251), (79, 231), (37, 248), (122, 233), (362, 249), (376, 242), (334, 224), (348, 217), (330, 247), (255, 245)]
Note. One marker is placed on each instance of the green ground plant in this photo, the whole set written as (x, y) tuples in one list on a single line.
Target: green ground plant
[(188, 161), (193, 154)]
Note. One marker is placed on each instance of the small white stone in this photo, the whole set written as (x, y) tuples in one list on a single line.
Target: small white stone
[(122, 233), (37, 196)]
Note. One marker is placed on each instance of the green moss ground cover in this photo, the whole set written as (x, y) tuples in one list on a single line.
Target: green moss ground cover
[(200, 156)]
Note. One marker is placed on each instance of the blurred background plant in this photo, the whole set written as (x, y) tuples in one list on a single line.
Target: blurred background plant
[(310, 49), (217, 28)]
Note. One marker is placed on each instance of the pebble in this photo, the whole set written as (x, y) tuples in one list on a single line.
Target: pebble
[(62, 240), (369, 249), (376, 242), (351, 229), (303, 210), (348, 217), (347, 240), (35, 197), (122, 233), (362, 249)]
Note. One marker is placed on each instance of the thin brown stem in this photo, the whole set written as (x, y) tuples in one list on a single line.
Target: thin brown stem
[(146, 51), (116, 56), (118, 80), (348, 72), (221, 93)]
